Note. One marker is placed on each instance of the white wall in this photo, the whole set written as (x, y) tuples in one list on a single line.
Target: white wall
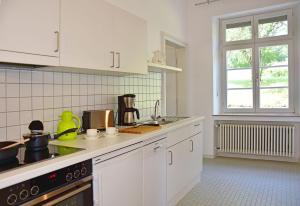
[(200, 74), (161, 15)]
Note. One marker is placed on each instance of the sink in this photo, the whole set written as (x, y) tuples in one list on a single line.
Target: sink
[(169, 119), (164, 120)]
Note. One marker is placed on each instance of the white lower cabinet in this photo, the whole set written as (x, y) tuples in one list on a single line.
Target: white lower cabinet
[(184, 166), (176, 169), (154, 174), (157, 172), (118, 181)]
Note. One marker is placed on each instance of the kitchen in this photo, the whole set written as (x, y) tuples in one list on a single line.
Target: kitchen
[(127, 68)]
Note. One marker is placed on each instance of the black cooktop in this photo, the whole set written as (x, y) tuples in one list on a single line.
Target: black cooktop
[(26, 157)]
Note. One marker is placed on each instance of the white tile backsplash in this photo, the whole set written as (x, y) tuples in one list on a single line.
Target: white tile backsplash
[(25, 90), (27, 95), (37, 77), (13, 133), (12, 90), (12, 104), (13, 118), (25, 76), (25, 104), (37, 103)]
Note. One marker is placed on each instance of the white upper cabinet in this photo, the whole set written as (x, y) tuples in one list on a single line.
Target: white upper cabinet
[(130, 42), (97, 35), (29, 31), (86, 34)]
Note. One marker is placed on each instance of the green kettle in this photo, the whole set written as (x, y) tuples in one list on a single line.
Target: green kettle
[(67, 122)]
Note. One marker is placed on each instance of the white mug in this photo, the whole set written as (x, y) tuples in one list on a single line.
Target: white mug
[(92, 133), (111, 131)]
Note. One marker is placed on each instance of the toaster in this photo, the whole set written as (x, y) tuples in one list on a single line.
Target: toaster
[(97, 119)]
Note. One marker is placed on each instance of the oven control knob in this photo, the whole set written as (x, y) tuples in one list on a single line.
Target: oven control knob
[(69, 177), (12, 199), (34, 190), (83, 171), (24, 194), (76, 174)]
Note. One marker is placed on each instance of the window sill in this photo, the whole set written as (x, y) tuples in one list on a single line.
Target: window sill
[(258, 114), (291, 117)]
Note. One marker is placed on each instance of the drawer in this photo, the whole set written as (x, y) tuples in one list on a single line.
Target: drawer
[(178, 135), (196, 127)]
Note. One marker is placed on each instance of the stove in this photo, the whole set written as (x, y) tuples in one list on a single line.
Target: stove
[(25, 157)]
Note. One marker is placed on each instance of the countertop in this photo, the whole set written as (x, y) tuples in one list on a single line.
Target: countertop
[(92, 148)]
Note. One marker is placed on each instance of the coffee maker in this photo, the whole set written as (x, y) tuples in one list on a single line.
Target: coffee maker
[(126, 110)]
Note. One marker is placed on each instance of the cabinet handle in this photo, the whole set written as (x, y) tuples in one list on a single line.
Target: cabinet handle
[(113, 58), (170, 163), (119, 59), (196, 125), (57, 41), (156, 148), (192, 146)]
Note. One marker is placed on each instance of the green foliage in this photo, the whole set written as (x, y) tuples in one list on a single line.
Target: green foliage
[(239, 59), (273, 55)]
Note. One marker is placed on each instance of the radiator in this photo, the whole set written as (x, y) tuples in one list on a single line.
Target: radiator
[(257, 139)]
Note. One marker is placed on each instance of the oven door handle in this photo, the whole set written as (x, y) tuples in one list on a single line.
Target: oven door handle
[(68, 195), (59, 191)]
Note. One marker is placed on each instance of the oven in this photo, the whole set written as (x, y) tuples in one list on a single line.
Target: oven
[(69, 186)]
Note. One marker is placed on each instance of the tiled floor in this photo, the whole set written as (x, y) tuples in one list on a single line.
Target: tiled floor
[(239, 182)]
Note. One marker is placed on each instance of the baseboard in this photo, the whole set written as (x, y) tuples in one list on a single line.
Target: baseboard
[(258, 157), (186, 190), (209, 156)]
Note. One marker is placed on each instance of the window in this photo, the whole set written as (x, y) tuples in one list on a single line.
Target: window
[(257, 64)]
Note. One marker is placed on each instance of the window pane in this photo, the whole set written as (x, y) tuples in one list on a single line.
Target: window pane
[(273, 55), (274, 77), (238, 31), (271, 27), (274, 98), (236, 59), (239, 99), (239, 78)]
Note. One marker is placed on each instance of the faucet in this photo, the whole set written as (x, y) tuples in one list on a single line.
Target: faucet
[(154, 116)]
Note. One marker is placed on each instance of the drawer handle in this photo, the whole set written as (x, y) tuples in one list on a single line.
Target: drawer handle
[(196, 125), (192, 146), (156, 148), (113, 58), (57, 41), (170, 163)]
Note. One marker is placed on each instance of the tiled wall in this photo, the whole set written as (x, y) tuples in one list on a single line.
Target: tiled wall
[(29, 94)]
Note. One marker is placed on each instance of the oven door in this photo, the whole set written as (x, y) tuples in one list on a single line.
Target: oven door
[(79, 193)]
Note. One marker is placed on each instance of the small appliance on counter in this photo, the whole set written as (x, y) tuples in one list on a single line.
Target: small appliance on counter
[(126, 110), (97, 119), (66, 123)]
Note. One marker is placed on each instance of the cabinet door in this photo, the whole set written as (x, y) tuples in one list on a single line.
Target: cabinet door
[(195, 157), (130, 42), (29, 27), (86, 34), (176, 169), (155, 175), (119, 181)]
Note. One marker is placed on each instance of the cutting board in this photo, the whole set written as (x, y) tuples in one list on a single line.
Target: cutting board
[(139, 130)]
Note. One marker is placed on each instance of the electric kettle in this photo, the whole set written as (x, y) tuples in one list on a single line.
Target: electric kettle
[(67, 122)]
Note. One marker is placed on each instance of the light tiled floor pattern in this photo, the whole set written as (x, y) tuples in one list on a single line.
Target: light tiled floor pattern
[(239, 182)]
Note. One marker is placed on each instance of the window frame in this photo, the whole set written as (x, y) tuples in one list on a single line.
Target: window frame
[(224, 79), (290, 82), (233, 21), (255, 43), (256, 19)]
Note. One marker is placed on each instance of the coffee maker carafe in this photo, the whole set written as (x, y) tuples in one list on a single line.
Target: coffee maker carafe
[(126, 110)]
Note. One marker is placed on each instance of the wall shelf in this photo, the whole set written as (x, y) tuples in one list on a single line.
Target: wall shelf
[(160, 67)]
